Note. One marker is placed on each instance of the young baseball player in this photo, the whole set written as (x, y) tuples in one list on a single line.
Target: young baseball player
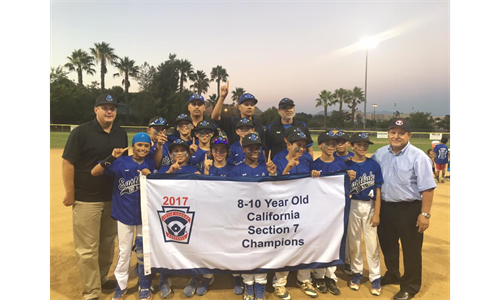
[(284, 152), (324, 279), (255, 284), (365, 213), (204, 132), (244, 126), (432, 156), (157, 129), (441, 151), (294, 162), (179, 152), (184, 126), (126, 208)]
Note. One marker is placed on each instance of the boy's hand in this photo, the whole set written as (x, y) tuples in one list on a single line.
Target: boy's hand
[(144, 172), (207, 163), (224, 90), (293, 163), (271, 167), (162, 138), (175, 166), (315, 173), (193, 148), (352, 174), (375, 220), (117, 152)]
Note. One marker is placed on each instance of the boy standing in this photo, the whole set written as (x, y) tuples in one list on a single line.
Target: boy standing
[(243, 127), (126, 208), (365, 213), (204, 132), (441, 160)]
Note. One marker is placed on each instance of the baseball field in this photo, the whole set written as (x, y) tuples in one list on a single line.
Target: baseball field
[(65, 282)]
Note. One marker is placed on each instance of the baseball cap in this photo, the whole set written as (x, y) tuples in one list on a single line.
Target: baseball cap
[(205, 124), (326, 136), (297, 136), (141, 137), (219, 140), (284, 102), (343, 135), (247, 96), (178, 142), (105, 99), (196, 97), (400, 123), (244, 122), (361, 137), (183, 117), (251, 139), (158, 121)]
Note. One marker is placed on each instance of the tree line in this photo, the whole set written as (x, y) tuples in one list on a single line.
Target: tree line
[(164, 90)]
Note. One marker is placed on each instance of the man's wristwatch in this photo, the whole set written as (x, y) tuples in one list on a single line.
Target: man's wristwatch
[(428, 216)]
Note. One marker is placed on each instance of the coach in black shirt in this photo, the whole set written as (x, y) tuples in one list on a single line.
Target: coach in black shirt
[(94, 230), (276, 131)]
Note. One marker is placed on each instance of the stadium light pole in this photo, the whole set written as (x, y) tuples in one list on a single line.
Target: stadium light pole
[(366, 43), (374, 106)]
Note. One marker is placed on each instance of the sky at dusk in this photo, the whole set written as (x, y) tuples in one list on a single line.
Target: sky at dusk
[(276, 49)]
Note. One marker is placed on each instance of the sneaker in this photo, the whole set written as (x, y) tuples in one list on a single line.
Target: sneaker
[(347, 269), (376, 287), (109, 284), (119, 293), (238, 286), (249, 292), (145, 294), (165, 288), (355, 282), (282, 293), (190, 289), (320, 285), (260, 291), (203, 287), (331, 284), (308, 288)]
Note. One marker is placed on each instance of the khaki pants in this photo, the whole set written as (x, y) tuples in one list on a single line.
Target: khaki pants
[(94, 233)]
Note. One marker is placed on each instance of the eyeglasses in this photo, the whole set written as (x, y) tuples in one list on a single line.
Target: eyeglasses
[(109, 108)]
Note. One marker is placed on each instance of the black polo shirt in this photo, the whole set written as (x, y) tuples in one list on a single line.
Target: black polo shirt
[(229, 127), (276, 133), (87, 145)]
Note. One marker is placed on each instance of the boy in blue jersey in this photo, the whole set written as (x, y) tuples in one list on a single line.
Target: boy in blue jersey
[(126, 208), (342, 147), (204, 132), (243, 127), (441, 159), (284, 152), (324, 279), (365, 213), (179, 153), (157, 130), (184, 126), (219, 153)]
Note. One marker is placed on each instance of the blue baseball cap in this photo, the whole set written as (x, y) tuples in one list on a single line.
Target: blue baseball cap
[(247, 96), (158, 121), (141, 137), (196, 97)]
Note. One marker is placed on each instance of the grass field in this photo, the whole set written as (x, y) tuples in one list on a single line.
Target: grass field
[(58, 140)]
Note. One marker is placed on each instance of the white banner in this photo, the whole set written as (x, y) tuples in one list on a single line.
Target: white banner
[(195, 224), (435, 136), (382, 135)]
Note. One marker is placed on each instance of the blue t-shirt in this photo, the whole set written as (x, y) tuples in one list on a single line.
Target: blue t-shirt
[(349, 154), (368, 179), (224, 171), (441, 151), (328, 167), (302, 167), (126, 205), (165, 156), (184, 169), (198, 158), (245, 170), (284, 153)]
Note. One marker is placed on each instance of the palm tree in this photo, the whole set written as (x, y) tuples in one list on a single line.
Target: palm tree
[(80, 61), (127, 68), (339, 97), (185, 69), (218, 74), (201, 82), (212, 100), (356, 96), (103, 53), (236, 94), (326, 99)]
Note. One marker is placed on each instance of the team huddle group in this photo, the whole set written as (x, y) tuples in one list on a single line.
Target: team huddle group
[(229, 147)]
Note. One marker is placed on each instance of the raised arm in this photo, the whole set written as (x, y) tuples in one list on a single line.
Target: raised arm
[(218, 107)]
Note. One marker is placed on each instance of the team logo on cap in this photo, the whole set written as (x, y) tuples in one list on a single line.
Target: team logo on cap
[(254, 137), (340, 133), (220, 141), (301, 134), (176, 223), (364, 135), (330, 133), (245, 120), (182, 116), (109, 98), (204, 123), (399, 122)]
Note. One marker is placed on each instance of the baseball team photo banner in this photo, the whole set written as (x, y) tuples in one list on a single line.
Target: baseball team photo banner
[(197, 224)]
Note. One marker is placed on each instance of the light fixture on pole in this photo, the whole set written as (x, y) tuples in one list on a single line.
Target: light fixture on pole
[(366, 43), (374, 106)]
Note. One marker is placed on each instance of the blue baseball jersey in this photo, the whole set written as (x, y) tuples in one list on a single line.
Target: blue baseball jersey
[(284, 153), (198, 158), (184, 169), (441, 151), (349, 154), (126, 205), (302, 167), (245, 170), (224, 171), (237, 156), (368, 178), (328, 167), (165, 156)]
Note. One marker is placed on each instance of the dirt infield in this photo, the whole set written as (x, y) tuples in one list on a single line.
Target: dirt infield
[(65, 281)]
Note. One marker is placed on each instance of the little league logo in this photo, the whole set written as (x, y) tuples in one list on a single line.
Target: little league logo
[(176, 223)]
